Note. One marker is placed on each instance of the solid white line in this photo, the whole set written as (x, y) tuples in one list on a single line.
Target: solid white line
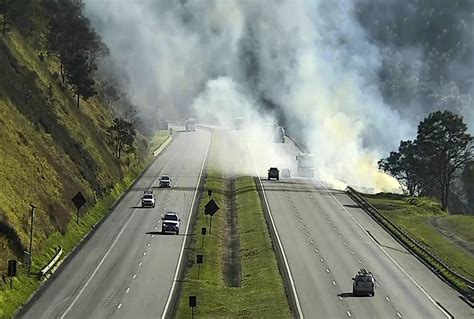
[(287, 266), (389, 256), (175, 278), (97, 267)]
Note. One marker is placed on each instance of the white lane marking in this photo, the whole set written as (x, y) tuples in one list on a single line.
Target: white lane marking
[(311, 241), (76, 298), (156, 227), (134, 276), (333, 283), (148, 245), (360, 261), (388, 299), (340, 298), (152, 236), (348, 313), (128, 290), (352, 252), (307, 234), (316, 251), (327, 270), (140, 264), (322, 259), (345, 244), (175, 278), (399, 314), (292, 283), (119, 306), (388, 255), (144, 254)]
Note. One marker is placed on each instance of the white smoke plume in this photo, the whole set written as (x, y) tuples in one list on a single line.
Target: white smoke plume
[(216, 60)]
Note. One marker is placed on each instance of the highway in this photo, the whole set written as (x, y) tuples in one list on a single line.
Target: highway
[(127, 267), (325, 237)]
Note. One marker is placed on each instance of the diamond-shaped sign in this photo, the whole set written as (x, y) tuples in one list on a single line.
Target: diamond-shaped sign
[(79, 200), (211, 208)]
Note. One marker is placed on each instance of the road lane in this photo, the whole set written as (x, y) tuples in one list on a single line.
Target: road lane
[(325, 237), (124, 268)]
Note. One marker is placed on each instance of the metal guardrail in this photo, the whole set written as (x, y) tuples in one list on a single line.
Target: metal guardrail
[(50, 265), (436, 264)]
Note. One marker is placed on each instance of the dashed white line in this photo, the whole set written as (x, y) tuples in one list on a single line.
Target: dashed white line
[(144, 254), (307, 234), (327, 270), (340, 298), (311, 241), (148, 245), (140, 264), (134, 276), (352, 252), (348, 313), (322, 259), (388, 299), (399, 315), (119, 306), (128, 290), (360, 261), (333, 283)]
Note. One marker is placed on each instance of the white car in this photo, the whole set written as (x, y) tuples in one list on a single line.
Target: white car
[(148, 199), (170, 223), (165, 181)]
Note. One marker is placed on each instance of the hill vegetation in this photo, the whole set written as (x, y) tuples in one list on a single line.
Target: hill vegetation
[(52, 146)]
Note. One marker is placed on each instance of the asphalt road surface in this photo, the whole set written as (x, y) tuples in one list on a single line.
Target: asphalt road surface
[(327, 238), (127, 267)]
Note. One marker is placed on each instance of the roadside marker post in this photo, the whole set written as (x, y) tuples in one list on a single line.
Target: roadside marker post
[(210, 209), (11, 271), (192, 305), (199, 259), (203, 233)]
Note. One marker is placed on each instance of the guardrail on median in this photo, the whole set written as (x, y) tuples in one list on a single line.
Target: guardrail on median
[(50, 265), (460, 283)]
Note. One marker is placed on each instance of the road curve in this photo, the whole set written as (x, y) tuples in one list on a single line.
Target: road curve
[(124, 270), (327, 238)]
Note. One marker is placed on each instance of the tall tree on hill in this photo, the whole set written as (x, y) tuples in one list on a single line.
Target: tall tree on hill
[(75, 44), (122, 136), (444, 142)]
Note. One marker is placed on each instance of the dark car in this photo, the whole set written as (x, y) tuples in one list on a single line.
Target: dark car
[(363, 283), (170, 223), (273, 172)]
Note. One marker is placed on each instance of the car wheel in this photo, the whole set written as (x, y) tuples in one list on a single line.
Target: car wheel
[(177, 232)]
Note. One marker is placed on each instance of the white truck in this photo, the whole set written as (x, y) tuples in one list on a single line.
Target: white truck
[(190, 124), (305, 166)]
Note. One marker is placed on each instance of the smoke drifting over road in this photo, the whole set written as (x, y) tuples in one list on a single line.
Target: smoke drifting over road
[(306, 61)]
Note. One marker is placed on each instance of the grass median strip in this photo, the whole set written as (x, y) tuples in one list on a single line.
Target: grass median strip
[(261, 293)]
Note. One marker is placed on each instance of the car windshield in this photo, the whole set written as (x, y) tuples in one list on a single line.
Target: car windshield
[(165, 178), (364, 278), (171, 217), (148, 196)]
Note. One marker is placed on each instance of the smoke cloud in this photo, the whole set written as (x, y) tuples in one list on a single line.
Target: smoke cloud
[(308, 62)]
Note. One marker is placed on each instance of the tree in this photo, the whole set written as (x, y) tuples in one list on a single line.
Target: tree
[(75, 44), (404, 166), (447, 147), (468, 182), (5, 8), (122, 136)]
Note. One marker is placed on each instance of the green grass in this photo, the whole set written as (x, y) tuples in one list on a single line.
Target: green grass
[(261, 294), (413, 214), (25, 286)]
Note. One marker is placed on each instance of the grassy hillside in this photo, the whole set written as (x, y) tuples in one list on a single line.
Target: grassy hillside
[(450, 237), (49, 149)]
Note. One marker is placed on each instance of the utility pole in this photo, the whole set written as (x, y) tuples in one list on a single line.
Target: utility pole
[(33, 208)]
